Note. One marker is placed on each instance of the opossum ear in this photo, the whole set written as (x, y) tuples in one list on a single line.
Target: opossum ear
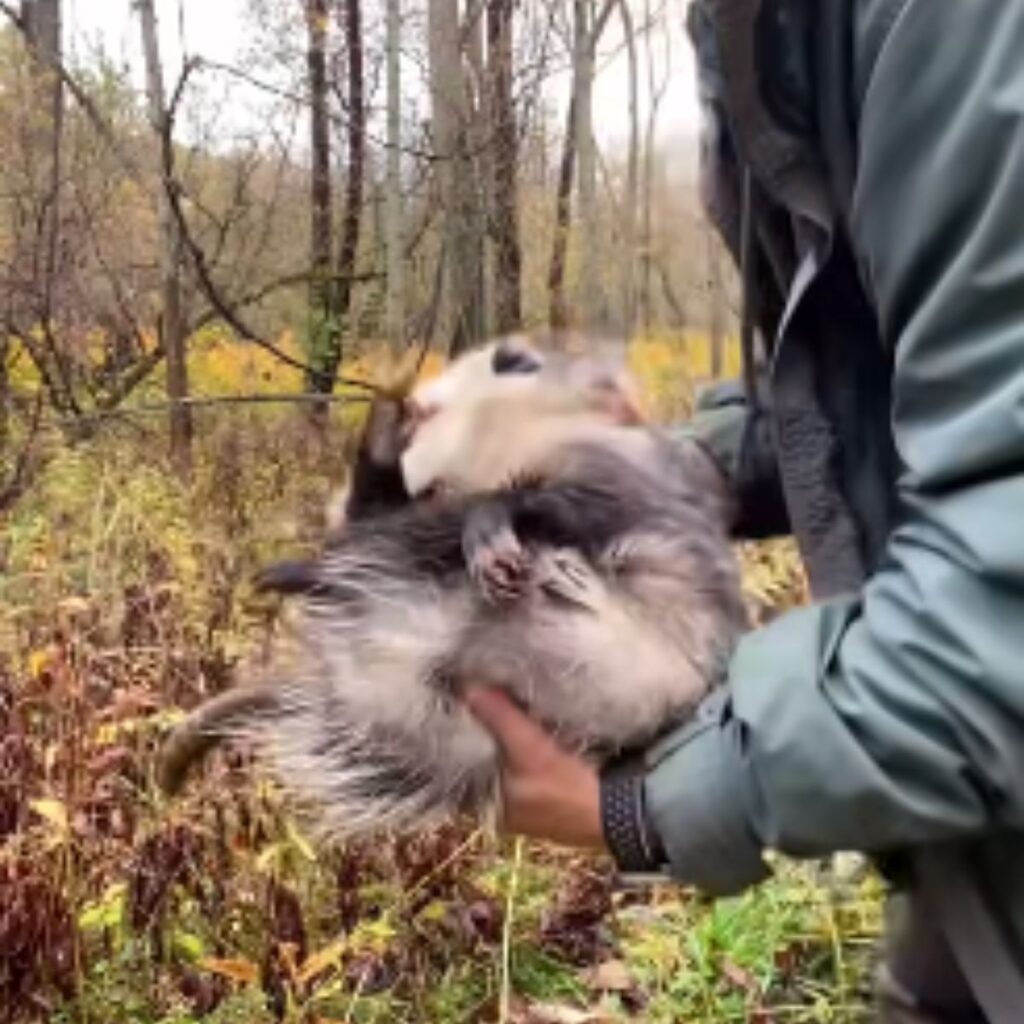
[(617, 402), (609, 383)]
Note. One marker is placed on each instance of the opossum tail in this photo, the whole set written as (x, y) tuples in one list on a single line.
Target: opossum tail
[(208, 726)]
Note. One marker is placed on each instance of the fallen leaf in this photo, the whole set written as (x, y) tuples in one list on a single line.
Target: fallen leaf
[(320, 961), (557, 1013), (610, 976), (244, 971), (740, 977), (53, 811)]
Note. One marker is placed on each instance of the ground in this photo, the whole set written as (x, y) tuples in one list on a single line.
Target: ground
[(124, 598)]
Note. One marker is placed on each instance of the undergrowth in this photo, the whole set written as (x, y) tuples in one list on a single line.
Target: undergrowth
[(125, 599)]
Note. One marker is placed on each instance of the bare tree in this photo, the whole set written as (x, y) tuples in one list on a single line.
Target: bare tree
[(356, 140), (558, 307), (321, 328), (395, 258), (504, 168), (455, 174), (172, 320), (584, 45), (630, 200)]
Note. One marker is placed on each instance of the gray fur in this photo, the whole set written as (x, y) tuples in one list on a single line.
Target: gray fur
[(611, 640)]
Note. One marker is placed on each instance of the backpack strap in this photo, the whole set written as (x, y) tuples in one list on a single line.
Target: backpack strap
[(983, 952)]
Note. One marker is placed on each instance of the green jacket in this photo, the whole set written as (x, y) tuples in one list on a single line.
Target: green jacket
[(886, 141)]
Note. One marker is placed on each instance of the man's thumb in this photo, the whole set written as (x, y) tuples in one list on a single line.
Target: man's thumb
[(519, 737)]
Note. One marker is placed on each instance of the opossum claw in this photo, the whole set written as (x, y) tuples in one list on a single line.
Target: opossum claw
[(496, 561), (501, 569)]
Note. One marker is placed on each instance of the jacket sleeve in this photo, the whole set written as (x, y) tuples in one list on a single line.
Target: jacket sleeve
[(896, 718), (739, 441)]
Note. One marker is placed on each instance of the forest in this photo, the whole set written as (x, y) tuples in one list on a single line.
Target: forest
[(205, 262)]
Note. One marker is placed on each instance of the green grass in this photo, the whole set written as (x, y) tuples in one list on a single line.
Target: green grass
[(123, 596)]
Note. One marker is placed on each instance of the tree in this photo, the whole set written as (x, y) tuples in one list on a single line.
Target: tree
[(656, 92), (394, 240), (356, 138), (504, 168), (584, 45), (456, 179), (630, 200), (558, 307), (579, 159), (172, 320), (322, 330)]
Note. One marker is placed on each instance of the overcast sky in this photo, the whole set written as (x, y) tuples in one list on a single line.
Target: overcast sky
[(216, 29)]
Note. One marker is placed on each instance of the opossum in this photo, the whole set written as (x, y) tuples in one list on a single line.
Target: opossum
[(514, 523)]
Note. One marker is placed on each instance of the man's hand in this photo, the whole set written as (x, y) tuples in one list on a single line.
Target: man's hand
[(548, 793)]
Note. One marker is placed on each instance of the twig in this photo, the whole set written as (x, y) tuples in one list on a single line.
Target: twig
[(505, 999), (203, 402)]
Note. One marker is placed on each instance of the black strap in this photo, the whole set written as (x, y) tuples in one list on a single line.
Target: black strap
[(748, 271), (982, 951)]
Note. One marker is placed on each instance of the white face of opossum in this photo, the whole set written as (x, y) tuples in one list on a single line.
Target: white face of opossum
[(499, 409)]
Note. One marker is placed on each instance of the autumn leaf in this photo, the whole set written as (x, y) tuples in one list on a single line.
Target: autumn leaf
[(740, 977), (54, 812), (243, 971), (39, 661), (610, 976), (321, 961)]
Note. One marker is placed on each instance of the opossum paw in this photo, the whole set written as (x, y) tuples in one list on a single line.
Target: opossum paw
[(499, 567)]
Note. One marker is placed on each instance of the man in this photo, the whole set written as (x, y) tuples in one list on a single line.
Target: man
[(865, 160)]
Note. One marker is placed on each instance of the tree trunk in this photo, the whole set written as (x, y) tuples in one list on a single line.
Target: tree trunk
[(587, 33), (43, 23), (321, 330), (504, 202), (656, 92), (631, 198), (558, 311), (462, 282), (37, 227), (395, 315), (172, 315), (586, 160), (348, 248)]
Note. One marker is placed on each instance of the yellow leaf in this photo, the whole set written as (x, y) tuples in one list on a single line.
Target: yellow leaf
[(244, 971), (318, 962), (107, 912), (38, 661), (436, 910), (53, 811)]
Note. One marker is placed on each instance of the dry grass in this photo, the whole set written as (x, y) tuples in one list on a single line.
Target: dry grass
[(123, 598)]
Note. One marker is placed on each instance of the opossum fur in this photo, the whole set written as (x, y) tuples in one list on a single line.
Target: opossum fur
[(627, 607)]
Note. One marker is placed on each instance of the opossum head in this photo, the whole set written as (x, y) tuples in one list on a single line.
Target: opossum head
[(496, 410)]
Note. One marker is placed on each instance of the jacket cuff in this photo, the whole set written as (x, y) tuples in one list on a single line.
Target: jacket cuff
[(696, 796)]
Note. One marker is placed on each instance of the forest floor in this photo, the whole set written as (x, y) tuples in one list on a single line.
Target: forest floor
[(124, 599)]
